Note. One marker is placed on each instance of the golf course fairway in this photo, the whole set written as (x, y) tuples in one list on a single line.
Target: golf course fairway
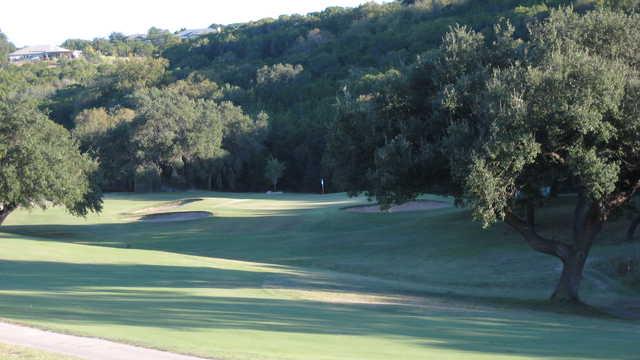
[(297, 277)]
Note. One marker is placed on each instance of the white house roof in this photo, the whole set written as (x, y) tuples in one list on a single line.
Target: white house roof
[(29, 50), (191, 33), (136, 36)]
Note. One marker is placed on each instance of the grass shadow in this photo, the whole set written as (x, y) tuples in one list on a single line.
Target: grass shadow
[(163, 297)]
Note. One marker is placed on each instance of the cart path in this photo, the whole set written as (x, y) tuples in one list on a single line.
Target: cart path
[(80, 347)]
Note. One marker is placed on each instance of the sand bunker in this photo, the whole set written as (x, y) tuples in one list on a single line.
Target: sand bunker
[(176, 216), (167, 206), (418, 205)]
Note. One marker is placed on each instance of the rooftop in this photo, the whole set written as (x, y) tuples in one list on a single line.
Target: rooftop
[(28, 50), (191, 33)]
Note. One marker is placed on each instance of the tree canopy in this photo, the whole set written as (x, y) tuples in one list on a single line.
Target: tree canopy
[(274, 170), (495, 121), (6, 47), (173, 130), (41, 164), (284, 73)]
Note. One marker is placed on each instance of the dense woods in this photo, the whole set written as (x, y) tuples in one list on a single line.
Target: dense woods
[(285, 78)]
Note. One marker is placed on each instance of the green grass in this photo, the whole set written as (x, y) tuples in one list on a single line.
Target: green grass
[(11, 352), (295, 277)]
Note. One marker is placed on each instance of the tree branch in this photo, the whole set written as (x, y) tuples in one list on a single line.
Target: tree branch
[(555, 156), (535, 241), (621, 198), (5, 210)]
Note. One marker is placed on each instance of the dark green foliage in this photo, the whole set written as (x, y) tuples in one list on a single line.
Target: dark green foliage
[(627, 5), (110, 85), (6, 48), (172, 131), (41, 164), (389, 140), (240, 169), (496, 122), (273, 171), (181, 136), (119, 45), (128, 76), (292, 68), (305, 60), (107, 137), (570, 116)]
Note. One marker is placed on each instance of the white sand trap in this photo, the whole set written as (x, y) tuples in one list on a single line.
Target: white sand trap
[(176, 216), (418, 205), (167, 206)]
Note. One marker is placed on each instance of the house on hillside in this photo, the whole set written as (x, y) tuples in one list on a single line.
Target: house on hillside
[(136, 37), (195, 33), (42, 52)]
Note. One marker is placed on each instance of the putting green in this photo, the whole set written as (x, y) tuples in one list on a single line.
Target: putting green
[(294, 277)]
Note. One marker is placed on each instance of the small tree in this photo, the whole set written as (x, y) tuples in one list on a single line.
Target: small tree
[(5, 48), (41, 164), (274, 171)]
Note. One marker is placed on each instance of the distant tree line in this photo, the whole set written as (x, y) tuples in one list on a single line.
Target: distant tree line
[(293, 68), (121, 45)]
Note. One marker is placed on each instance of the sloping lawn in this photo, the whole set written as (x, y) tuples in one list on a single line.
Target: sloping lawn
[(295, 277)]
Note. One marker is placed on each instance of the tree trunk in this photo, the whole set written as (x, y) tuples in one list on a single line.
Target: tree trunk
[(632, 228), (5, 211), (569, 285), (587, 223)]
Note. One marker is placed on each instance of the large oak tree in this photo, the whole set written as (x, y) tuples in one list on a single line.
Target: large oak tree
[(570, 113), (40, 165), (493, 121)]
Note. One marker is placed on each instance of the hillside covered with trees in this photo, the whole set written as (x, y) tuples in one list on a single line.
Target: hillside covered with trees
[(270, 88)]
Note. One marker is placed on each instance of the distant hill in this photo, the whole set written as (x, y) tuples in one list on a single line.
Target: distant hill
[(330, 49), (290, 73)]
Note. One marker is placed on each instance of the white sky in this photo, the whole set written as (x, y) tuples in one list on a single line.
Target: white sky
[(40, 22)]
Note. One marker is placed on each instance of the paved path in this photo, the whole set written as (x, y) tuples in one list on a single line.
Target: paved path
[(80, 347)]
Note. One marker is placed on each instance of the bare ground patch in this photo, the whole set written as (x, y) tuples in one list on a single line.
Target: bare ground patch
[(417, 205)]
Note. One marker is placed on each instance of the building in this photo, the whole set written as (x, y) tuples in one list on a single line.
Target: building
[(136, 37), (195, 33), (43, 52)]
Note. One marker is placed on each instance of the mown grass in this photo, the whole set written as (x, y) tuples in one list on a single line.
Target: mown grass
[(295, 277)]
